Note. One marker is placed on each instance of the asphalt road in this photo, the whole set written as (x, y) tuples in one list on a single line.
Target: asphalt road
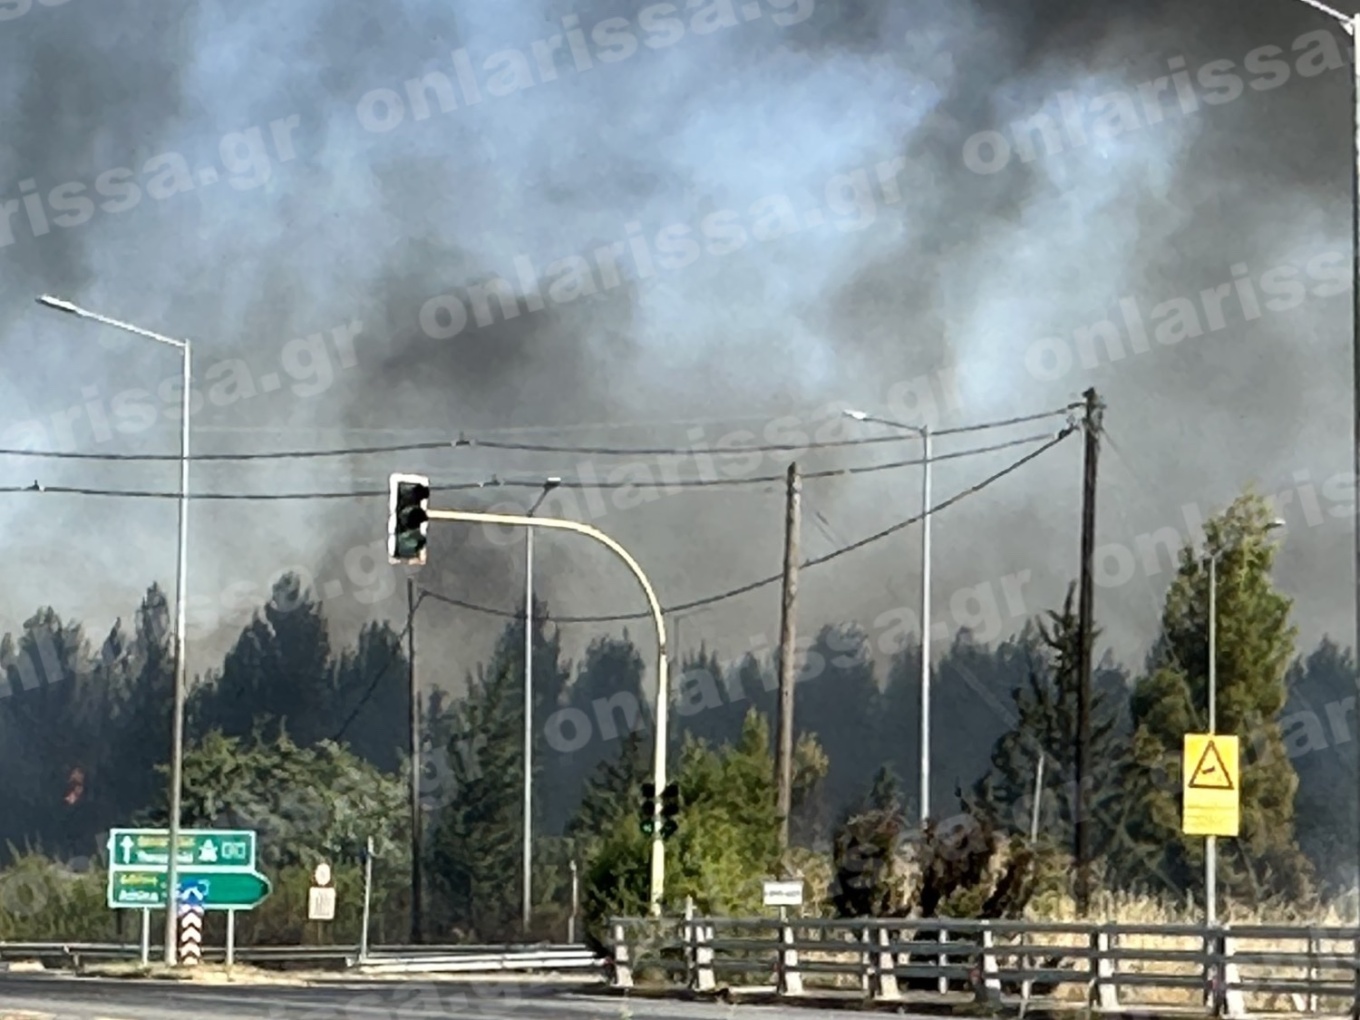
[(44, 997)]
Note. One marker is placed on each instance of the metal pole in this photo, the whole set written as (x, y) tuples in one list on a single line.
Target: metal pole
[(146, 937), (181, 669), (231, 938), (658, 875), (1355, 353), (417, 823), (925, 629), (788, 626), (1038, 798), (575, 905), (1211, 842), (368, 895), (527, 864)]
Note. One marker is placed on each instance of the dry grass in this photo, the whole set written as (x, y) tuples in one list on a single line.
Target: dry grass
[(1119, 909), (1138, 911)]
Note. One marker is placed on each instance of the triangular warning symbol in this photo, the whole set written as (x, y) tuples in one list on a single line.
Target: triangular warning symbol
[(1211, 773)]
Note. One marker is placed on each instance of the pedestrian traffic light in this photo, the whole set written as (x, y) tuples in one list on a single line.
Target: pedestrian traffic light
[(407, 524), (670, 808), (647, 810)]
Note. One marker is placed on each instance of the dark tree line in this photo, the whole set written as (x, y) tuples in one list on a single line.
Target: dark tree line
[(84, 723)]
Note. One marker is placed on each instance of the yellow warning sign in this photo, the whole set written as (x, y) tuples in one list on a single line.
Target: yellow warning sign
[(1211, 773), (1210, 785)]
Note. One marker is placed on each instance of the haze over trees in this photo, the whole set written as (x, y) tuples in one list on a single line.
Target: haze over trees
[(305, 741)]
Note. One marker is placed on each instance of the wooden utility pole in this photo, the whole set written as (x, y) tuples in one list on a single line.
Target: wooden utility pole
[(416, 821), (788, 626), (1085, 631)]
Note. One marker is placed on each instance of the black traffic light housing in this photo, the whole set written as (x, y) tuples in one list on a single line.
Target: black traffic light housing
[(670, 808), (408, 522), (647, 809)]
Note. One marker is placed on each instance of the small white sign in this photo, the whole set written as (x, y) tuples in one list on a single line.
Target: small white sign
[(321, 903), (322, 874), (784, 894)]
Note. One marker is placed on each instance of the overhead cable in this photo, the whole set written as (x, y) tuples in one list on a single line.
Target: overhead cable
[(463, 441), (774, 578), (533, 484)]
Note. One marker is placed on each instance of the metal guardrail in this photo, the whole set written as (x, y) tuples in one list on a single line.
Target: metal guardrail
[(565, 958), (380, 959), (1224, 971)]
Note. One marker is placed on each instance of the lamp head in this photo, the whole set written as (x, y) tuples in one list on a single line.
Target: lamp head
[(551, 483), (857, 415)]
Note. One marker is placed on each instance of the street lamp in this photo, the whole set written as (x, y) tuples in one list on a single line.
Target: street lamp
[(181, 585), (1211, 842), (924, 432), (548, 485)]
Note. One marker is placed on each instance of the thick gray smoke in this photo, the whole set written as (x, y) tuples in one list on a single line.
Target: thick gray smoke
[(427, 219)]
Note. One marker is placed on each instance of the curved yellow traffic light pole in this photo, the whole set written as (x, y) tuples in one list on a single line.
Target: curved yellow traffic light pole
[(662, 694)]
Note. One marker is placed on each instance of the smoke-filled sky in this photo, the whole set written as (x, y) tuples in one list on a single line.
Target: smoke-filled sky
[(325, 199)]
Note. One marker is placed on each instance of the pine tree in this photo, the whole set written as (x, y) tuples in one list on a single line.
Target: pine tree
[(1046, 708), (278, 677), (475, 847), (1255, 645)]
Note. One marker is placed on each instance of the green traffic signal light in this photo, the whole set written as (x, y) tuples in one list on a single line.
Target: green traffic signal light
[(670, 808), (409, 522), (647, 810)]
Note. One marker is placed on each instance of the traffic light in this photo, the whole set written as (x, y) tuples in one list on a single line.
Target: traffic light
[(647, 811), (408, 522), (670, 807)]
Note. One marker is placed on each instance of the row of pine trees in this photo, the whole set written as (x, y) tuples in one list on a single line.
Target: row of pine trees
[(305, 741)]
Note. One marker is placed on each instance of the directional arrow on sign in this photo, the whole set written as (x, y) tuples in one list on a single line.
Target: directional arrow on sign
[(213, 891), (127, 849)]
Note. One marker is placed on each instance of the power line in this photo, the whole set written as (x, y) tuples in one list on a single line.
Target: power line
[(534, 484), (644, 451), (377, 677), (774, 578), (462, 441), (709, 600)]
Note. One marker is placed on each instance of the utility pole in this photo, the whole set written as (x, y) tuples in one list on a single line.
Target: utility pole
[(416, 821), (1085, 630), (788, 626)]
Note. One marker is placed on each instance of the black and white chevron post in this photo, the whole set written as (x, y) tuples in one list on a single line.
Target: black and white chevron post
[(191, 925)]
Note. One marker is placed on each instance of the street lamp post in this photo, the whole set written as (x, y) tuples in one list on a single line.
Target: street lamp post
[(658, 871), (1211, 842), (181, 586), (548, 486), (924, 432)]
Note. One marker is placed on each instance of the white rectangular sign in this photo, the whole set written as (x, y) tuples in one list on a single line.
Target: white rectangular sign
[(321, 903), (784, 894)]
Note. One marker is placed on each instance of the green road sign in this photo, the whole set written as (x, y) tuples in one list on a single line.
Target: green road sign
[(221, 862), (200, 849), (222, 890)]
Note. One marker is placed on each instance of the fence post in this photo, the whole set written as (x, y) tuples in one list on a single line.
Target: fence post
[(1230, 981), (790, 979), (623, 971), (866, 962), (1355, 969), (887, 964), (943, 962), (1314, 949), (691, 941), (986, 978), (704, 980), (1104, 989), (1215, 972)]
